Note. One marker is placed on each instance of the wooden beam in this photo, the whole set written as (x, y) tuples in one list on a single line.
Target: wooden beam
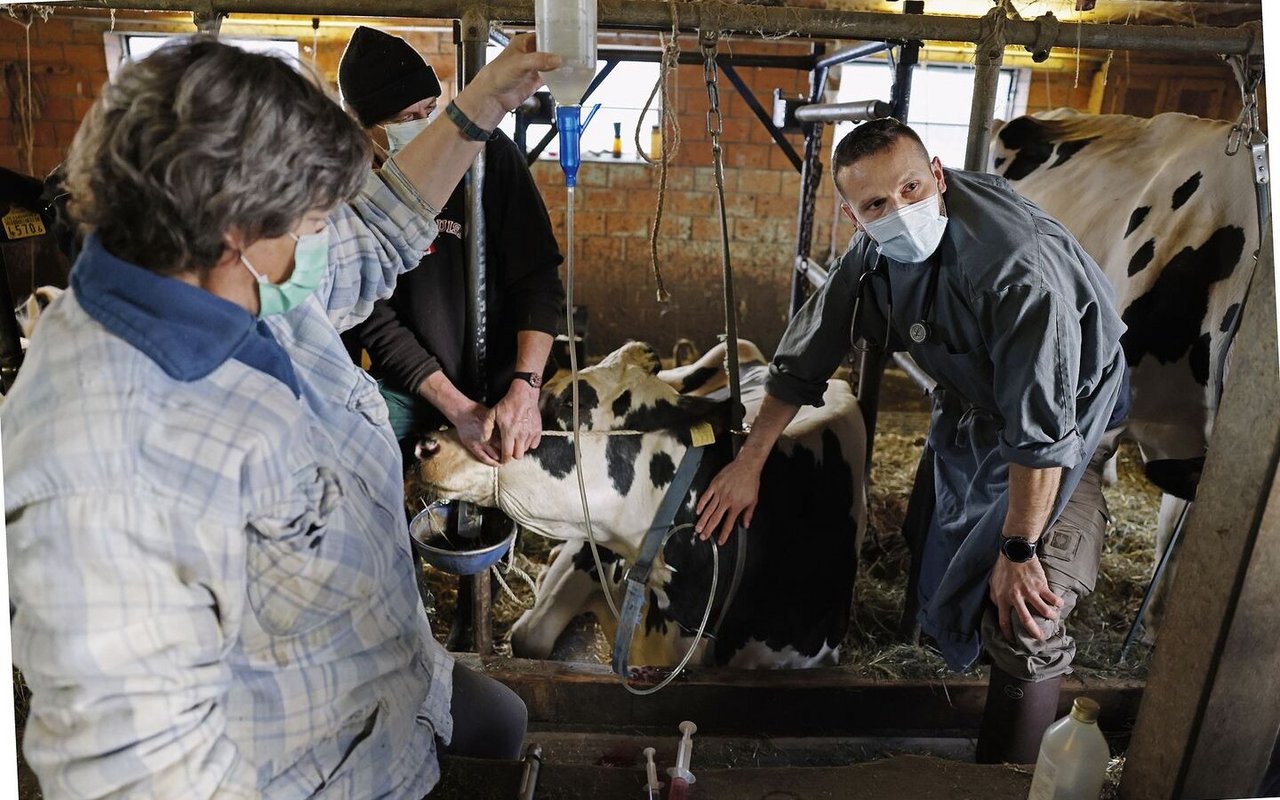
[(914, 777), (1212, 707), (816, 702)]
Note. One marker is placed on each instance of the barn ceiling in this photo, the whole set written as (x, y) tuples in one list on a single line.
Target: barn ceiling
[(1151, 12)]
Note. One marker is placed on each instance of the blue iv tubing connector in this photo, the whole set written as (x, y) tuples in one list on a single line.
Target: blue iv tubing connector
[(569, 121)]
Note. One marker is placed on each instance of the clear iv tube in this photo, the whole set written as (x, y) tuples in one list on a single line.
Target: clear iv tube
[(575, 402)]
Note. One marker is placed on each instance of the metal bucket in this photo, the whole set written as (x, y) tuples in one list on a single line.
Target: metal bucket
[(434, 533)]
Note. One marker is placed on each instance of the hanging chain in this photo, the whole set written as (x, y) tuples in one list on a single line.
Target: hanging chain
[(707, 40), (1247, 127)]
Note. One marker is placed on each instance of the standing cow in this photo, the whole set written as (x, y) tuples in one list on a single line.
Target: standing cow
[(1172, 221), (792, 607)]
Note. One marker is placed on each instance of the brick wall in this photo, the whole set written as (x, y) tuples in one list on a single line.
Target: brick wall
[(616, 201)]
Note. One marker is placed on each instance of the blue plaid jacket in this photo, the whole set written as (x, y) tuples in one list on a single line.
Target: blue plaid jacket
[(210, 575)]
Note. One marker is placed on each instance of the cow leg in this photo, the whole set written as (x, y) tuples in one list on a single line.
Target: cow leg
[(1110, 470), (1170, 511), (564, 592)]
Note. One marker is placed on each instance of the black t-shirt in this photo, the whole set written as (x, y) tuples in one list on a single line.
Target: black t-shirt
[(421, 328)]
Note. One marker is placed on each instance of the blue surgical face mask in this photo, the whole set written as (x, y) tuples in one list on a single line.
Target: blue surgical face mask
[(400, 134), (310, 263), (912, 233)]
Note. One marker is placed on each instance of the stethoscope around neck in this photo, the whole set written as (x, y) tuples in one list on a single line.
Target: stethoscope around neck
[(919, 332)]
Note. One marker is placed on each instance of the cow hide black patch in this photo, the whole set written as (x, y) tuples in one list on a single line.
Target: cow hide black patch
[(1068, 149), (1136, 218), (588, 400), (1183, 193), (1199, 360), (661, 470), (585, 562), (1166, 321), (697, 379), (1032, 142), (621, 454), (555, 455), (1229, 318), (1142, 257), (622, 403)]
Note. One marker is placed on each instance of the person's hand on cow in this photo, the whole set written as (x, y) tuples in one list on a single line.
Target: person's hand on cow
[(1020, 589), (475, 424), (733, 493), (518, 420)]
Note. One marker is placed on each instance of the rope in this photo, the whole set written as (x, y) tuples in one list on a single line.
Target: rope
[(992, 37), (669, 125), (24, 104)]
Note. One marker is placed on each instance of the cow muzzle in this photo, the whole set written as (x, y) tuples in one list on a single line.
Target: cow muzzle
[(448, 471)]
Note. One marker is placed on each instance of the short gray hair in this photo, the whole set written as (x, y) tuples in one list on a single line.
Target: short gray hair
[(201, 138)]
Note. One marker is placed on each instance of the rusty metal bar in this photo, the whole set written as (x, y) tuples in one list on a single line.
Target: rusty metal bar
[(752, 19), (985, 84)]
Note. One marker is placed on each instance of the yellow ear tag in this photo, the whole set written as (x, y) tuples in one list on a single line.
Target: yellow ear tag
[(702, 434), (21, 224)]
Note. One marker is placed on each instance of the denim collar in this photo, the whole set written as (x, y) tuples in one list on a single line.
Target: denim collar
[(187, 331)]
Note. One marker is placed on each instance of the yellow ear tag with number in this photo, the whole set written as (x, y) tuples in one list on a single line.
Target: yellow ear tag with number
[(21, 224), (702, 434)]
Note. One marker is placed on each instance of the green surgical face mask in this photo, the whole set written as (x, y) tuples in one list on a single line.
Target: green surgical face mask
[(310, 263)]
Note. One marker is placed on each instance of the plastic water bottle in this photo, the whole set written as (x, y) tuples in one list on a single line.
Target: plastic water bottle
[(1073, 757), (568, 29)]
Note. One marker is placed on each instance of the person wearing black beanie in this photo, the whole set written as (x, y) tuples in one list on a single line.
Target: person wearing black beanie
[(416, 339)]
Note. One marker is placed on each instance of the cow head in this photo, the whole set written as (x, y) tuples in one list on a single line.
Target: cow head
[(634, 431)]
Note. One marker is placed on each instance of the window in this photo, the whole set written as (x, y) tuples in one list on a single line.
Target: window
[(139, 46), (621, 97), (940, 98)]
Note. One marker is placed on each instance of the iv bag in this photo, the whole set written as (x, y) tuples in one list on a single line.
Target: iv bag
[(568, 29)]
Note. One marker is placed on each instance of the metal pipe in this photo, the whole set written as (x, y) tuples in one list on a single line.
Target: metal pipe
[(813, 271), (908, 57), (921, 378), (853, 53), (649, 56), (474, 42), (745, 93), (985, 83), (752, 19), (855, 111), (810, 176)]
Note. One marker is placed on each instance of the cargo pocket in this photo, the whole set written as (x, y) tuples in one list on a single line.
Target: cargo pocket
[(291, 563), (1072, 549)]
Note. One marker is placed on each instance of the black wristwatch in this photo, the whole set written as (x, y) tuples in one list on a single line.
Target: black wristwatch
[(534, 379), (1018, 549)]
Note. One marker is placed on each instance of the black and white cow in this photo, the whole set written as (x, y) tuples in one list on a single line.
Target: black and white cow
[(1172, 221), (792, 607)]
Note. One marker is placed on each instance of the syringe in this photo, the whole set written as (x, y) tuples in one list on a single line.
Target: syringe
[(681, 777)]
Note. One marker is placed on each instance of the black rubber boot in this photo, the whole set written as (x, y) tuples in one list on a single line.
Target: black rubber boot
[(1016, 716)]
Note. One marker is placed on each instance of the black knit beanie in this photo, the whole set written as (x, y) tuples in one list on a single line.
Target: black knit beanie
[(380, 74)]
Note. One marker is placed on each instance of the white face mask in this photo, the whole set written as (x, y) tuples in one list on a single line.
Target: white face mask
[(400, 134), (912, 233)]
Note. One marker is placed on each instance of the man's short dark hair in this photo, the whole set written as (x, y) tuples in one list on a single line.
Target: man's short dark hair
[(870, 138)]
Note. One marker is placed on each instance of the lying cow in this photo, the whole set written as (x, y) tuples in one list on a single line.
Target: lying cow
[(792, 607), (1172, 221)]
